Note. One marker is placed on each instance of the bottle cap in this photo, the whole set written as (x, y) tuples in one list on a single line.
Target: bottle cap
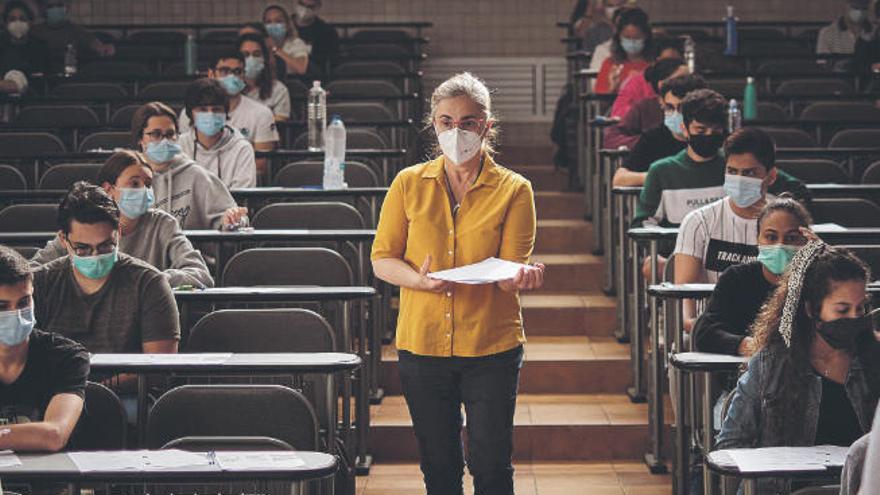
[(335, 117), (750, 80), (730, 10)]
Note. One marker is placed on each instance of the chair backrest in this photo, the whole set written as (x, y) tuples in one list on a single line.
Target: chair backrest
[(783, 67), (29, 218), (220, 443), (262, 330), (102, 424), (378, 50), (233, 411), (162, 91), (771, 111), (57, 116), (11, 178), (799, 87), (29, 143), (311, 173), (790, 138), (381, 36), (62, 176), (162, 37), (815, 171), (870, 254), (363, 88), (872, 174), (106, 140), (297, 89), (356, 138), (123, 115), (855, 138), (89, 91), (115, 68), (361, 112), (318, 215), (287, 266), (849, 212), (841, 111), (369, 68)]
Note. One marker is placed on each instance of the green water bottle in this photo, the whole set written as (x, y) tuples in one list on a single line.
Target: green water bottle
[(750, 100)]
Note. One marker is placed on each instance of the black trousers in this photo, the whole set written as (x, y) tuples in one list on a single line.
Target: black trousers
[(435, 389)]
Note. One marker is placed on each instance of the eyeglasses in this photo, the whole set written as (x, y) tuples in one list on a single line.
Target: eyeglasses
[(82, 249), (157, 134), (472, 125), (225, 71)]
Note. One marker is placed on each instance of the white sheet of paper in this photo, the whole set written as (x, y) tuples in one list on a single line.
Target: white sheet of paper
[(138, 460), (8, 459), (122, 359), (257, 461), (488, 271), (788, 458)]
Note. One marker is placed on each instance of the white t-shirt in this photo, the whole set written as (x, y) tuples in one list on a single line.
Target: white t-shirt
[(296, 47), (251, 118), (278, 101), (719, 237)]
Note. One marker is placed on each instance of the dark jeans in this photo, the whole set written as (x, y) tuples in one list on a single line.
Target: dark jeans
[(435, 388)]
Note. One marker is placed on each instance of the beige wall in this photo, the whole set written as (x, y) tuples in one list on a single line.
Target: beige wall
[(461, 27)]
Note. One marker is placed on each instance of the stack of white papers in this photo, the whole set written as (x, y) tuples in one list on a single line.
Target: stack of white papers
[(9, 459), (780, 459), (145, 359), (488, 271), (138, 460), (257, 461)]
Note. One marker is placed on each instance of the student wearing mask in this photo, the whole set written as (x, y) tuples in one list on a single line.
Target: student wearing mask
[(251, 118), (644, 85), (20, 53), (284, 41), (103, 299), (815, 376), (631, 51), (59, 31), (145, 233), (262, 83), (594, 23), (741, 290), (42, 375), (193, 195), (320, 35), (840, 37), (210, 141)]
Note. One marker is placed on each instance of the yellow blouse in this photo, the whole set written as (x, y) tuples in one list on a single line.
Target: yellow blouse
[(496, 218)]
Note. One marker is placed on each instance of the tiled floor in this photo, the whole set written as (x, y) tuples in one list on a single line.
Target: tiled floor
[(544, 478)]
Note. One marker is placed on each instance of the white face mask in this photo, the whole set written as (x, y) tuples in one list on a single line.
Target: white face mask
[(18, 29), (609, 12), (459, 146)]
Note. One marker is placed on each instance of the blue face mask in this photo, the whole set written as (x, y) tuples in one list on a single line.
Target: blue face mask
[(56, 15), (673, 121), (856, 15), (134, 202), (277, 30), (96, 267), (744, 191), (632, 46), (209, 123), (776, 257), (16, 325), (232, 84), (163, 151), (253, 66)]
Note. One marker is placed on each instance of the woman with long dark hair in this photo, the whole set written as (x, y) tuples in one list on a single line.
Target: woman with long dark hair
[(260, 76), (631, 50)]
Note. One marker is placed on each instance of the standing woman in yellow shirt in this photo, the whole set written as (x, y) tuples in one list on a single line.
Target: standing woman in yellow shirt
[(459, 344)]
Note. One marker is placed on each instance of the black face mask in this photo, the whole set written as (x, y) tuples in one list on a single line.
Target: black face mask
[(706, 145), (842, 333)]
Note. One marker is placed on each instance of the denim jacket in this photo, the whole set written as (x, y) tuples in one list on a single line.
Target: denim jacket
[(758, 409)]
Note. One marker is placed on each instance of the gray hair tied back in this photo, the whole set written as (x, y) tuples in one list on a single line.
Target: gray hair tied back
[(797, 269)]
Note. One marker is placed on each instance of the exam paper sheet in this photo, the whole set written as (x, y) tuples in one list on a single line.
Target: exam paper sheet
[(488, 271), (771, 459)]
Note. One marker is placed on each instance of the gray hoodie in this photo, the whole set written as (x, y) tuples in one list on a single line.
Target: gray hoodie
[(158, 241), (232, 158), (192, 194)]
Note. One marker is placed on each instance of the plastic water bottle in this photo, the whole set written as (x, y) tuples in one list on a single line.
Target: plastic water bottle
[(730, 28), (750, 100), (317, 116), (70, 60), (734, 118), (334, 155), (190, 55), (690, 54)]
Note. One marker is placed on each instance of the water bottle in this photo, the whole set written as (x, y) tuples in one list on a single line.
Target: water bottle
[(317, 116), (750, 100), (734, 118), (730, 28), (334, 155), (690, 54), (190, 55), (70, 60)]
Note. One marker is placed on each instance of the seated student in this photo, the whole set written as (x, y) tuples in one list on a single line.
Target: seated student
[(59, 31), (642, 110), (840, 37), (20, 53), (661, 141), (42, 375), (742, 289), (250, 117), (103, 299), (644, 84), (594, 22), (631, 51), (284, 41), (262, 83), (320, 35), (145, 233), (192, 194), (603, 50), (815, 376), (212, 143)]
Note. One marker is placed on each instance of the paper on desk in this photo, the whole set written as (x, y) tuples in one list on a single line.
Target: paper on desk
[(143, 359), (9, 459), (488, 271), (257, 461), (769, 459), (137, 460)]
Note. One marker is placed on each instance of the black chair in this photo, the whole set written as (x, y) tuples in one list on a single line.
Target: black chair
[(783, 67), (286, 266), (102, 424), (123, 115), (841, 111), (368, 36), (57, 116), (29, 218), (356, 138), (772, 111), (25, 144), (158, 37), (218, 443), (311, 173), (872, 174), (321, 215), (115, 68), (815, 171), (732, 88), (89, 91), (361, 112), (378, 51), (227, 36), (856, 138), (164, 91), (12, 179), (849, 212), (383, 68), (363, 88), (62, 176), (785, 137), (262, 330), (106, 140), (801, 87), (233, 411), (870, 254)]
